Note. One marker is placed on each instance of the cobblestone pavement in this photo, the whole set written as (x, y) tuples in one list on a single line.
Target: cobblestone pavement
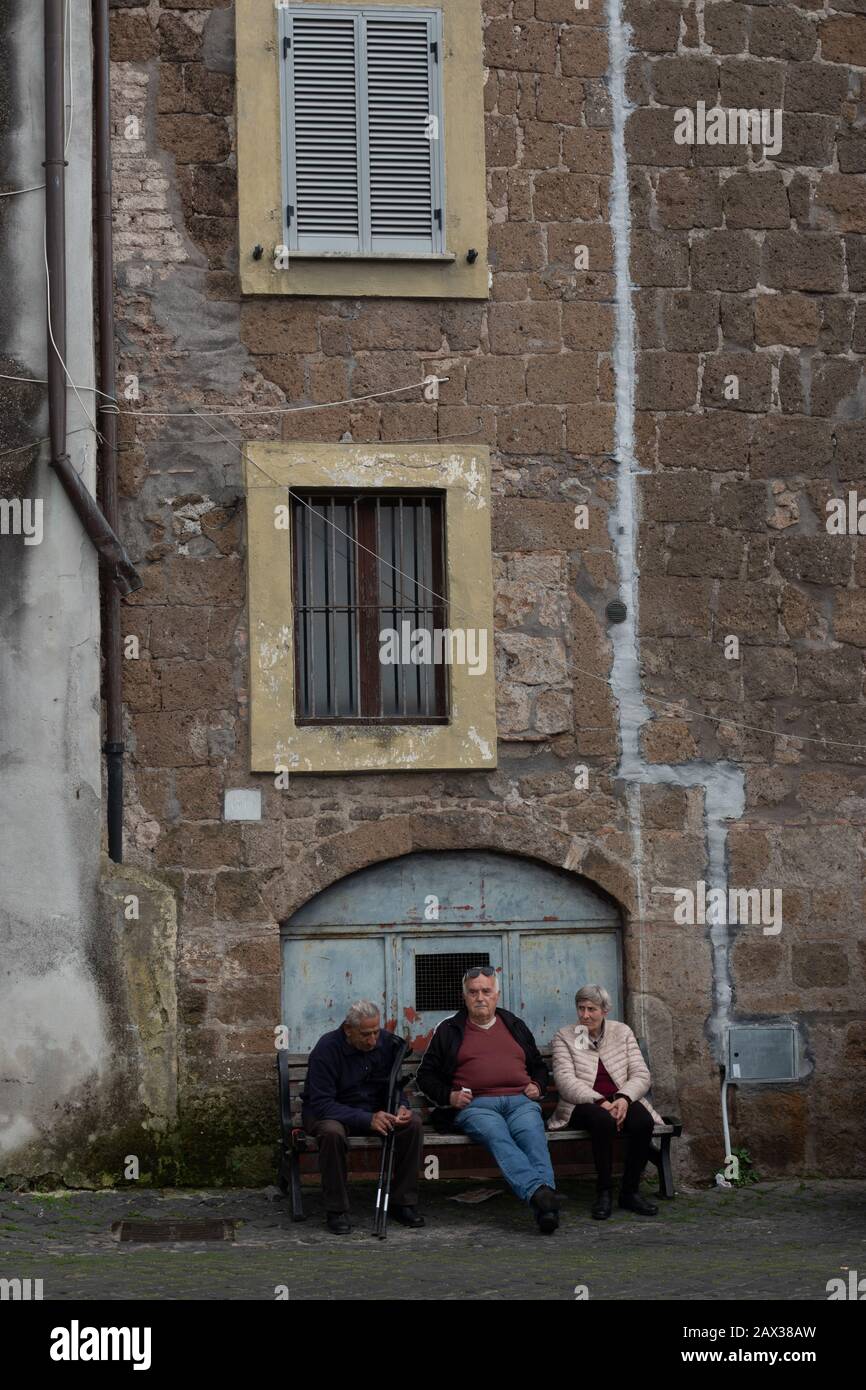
[(772, 1241)]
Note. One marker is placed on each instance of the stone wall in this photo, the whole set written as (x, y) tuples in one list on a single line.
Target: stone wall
[(753, 269), (752, 272)]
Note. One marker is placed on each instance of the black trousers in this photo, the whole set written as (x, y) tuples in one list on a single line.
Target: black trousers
[(332, 1161), (637, 1127)]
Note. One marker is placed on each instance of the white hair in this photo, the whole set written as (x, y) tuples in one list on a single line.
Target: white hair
[(592, 994), (360, 1010), (492, 978)]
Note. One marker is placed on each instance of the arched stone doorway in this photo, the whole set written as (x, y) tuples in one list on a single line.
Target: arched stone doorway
[(402, 932)]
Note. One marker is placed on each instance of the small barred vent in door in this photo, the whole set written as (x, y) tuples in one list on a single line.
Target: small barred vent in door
[(439, 979), (401, 123), (326, 128)]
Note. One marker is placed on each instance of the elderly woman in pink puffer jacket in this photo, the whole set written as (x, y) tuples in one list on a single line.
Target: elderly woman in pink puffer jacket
[(602, 1080)]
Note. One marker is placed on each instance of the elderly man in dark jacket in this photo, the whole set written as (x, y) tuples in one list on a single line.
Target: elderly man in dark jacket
[(483, 1069), (346, 1093)]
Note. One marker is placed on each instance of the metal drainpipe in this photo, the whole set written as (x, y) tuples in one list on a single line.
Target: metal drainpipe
[(111, 636), (111, 551)]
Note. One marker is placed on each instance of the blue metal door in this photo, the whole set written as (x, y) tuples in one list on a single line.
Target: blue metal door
[(403, 932), (432, 968)]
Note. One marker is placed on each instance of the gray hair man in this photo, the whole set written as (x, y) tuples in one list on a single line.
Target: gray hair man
[(602, 1081), (483, 1069), (346, 1093)]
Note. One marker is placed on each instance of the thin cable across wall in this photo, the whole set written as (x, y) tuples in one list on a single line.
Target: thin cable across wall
[(675, 706), (260, 411), (678, 708)]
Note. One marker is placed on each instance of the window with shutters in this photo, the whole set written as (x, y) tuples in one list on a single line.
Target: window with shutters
[(360, 148), (362, 127)]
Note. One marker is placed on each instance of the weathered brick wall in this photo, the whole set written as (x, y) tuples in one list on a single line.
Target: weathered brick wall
[(758, 272), (730, 539)]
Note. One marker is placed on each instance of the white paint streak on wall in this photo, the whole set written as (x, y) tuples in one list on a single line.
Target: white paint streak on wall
[(480, 743), (722, 783)]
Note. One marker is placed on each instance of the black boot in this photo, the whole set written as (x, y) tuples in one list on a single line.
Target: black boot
[(544, 1202), (633, 1201), (603, 1205), (407, 1216), (338, 1222)]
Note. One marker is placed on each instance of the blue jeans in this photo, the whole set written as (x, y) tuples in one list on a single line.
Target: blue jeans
[(512, 1129)]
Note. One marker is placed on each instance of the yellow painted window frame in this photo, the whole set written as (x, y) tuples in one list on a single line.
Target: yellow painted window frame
[(260, 194), (277, 742)]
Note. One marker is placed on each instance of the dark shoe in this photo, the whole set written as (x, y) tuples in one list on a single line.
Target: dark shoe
[(407, 1216), (545, 1198), (338, 1222), (602, 1206), (633, 1201), (544, 1203)]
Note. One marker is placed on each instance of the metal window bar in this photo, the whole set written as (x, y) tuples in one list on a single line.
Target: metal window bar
[(339, 617), (330, 615), (311, 646), (400, 578), (384, 672), (439, 978), (419, 615)]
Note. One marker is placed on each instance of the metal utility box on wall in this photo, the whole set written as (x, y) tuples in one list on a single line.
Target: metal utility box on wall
[(762, 1053)]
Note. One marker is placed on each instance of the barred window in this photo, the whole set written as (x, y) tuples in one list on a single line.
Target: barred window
[(368, 583), (439, 978)]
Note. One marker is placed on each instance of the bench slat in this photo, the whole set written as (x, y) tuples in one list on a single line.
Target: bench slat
[(432, 1139)]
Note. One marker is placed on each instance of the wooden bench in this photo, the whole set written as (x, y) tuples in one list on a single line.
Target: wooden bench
[(294, 1142)]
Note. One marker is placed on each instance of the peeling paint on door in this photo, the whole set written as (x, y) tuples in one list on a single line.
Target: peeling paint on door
[(545, 932)]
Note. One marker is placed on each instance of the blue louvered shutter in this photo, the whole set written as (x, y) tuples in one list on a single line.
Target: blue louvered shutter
[(324, 167), (402, 115), (362, 122)]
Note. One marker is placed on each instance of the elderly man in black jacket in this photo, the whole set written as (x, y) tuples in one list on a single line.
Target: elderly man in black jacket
[(346, 1093), (483, 1067)]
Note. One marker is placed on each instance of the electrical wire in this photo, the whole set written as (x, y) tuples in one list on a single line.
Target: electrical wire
[(276, 409), (13, 192), (51, 335), (663, 704), (228, 409), (67, 82), (258, 411), (675, 706)]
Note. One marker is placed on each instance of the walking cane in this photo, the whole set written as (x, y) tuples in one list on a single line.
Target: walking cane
[(386, 1168)]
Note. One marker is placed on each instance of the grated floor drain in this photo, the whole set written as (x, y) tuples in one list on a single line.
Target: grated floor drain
[(168, 1231)]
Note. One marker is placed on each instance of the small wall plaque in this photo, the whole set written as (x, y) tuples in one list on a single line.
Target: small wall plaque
[(242, 803)]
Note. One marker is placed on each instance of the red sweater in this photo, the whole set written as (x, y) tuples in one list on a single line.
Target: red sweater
[(605, 1086), (490, 1062)]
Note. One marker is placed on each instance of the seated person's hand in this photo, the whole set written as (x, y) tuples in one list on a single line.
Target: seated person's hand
[(532, 1091), (403, 1116), (382, 1122), (460, 1099), (619, 1110)]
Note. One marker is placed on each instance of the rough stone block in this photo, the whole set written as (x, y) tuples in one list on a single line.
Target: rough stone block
[(792, 319), (713, 440), (798, 261), (659, 259), (725, 261), (756, 200), (747, 374), (689, 199)]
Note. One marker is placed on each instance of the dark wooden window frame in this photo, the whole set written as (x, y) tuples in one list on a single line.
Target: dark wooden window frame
[(368, 605)]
